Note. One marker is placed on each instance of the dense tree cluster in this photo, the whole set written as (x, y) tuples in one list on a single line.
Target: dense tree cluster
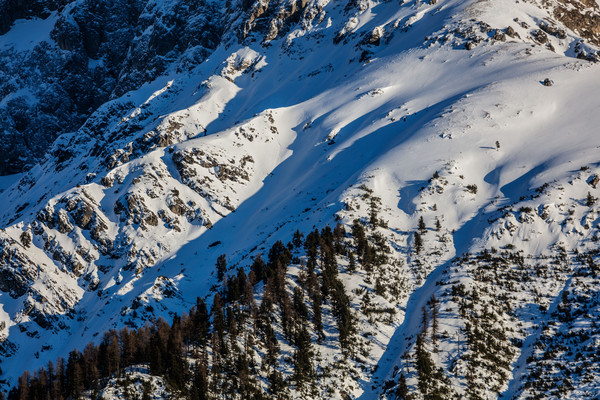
[(232, 346), (160, 345)]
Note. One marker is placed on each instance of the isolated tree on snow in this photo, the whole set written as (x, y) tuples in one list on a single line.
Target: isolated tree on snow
[(422, 227), (424, 320), (418, 243), (434, 304), (221, 267), (590, 200)]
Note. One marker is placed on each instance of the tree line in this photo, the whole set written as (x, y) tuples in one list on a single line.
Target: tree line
[(233, 347)]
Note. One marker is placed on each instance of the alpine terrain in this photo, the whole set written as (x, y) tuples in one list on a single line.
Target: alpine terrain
[(299, 199)]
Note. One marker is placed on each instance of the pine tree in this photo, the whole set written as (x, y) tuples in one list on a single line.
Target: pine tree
[(303, 357), (401, 391), (218, 325), (360, 239), (418, 243), (318, 316), (342, 314), (272, 347), (113, 353), (221, 267), (351, 262), (74, 375), (288, 315), (22, 391), (58, 386), (590, 200), (422, 227), (424, 365), (279, 255), (339, 232), (373, 210), (299, 304), (258, 267), (297, 239), (176, 362), (424, 320), (276, 383), (128, 346), (90, 367), (201, 323), (199, 389), (434, 305), (312, 243)]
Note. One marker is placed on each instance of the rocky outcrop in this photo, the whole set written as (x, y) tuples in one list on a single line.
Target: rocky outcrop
[(13, 10), (95, 51), (580, 16), (268, 20)]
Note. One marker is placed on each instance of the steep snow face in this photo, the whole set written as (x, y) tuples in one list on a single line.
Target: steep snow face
[(439, 108)]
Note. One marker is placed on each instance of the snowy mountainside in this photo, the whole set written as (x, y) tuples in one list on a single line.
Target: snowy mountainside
[(300, 114)]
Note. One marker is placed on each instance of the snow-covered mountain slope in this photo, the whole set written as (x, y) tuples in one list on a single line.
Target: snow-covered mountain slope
[(439, 110)]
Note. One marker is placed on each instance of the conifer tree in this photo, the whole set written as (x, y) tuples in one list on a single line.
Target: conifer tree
[(297, 239), (113, 353), (312, 243), (424, 365), (201, 323), (339, 232), (418, 243), (272, 347), (422, 226), (342, 313), (424, 320), (373, 210), (299, 304), (175, 360), (360, 239), (90, 367), (280, 255), (318, 316), (199, 390), (219, 324), (590, 200), (434, 305), (303, 369), (221, 267), (351, 262), (74, 375), (401, 391)]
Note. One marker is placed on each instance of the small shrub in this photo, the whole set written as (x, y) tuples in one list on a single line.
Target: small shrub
[(472, 188)]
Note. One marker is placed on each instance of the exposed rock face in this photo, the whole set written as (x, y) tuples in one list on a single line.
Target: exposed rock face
[(17, 9), (581, 16), (94, 51)]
